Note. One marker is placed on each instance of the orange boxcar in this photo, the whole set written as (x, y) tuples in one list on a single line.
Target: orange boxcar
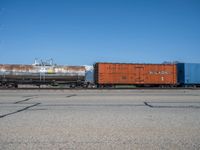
[(135, 74)]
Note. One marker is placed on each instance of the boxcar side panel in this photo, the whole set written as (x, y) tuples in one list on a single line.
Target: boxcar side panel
[(110, 73), (192, 73)]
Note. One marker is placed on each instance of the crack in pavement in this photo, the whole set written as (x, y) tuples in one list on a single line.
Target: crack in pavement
[(172, 102), (71, 95), (22, 100), (20, 110), (189, 106), (148, 104)]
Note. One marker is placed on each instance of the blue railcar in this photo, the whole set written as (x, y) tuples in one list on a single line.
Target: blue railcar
[(188, 73)]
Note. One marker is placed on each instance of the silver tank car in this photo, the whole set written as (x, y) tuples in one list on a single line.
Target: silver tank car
[(41, 74)]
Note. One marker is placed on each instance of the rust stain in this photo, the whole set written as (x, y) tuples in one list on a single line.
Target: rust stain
[(16, 67), (31, 68)]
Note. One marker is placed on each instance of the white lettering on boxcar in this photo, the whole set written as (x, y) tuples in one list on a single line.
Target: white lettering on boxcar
[(158, 72)]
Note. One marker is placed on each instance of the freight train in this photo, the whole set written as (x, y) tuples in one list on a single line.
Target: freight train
[(104, 75), (148, 75)]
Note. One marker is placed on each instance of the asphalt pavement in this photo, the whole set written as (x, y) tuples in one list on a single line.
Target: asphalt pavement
[(99, 119)]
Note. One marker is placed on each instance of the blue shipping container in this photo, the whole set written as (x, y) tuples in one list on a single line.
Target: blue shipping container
[(188, 73)]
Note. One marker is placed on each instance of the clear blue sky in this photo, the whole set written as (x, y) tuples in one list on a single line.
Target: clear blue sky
[(80, 32)]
